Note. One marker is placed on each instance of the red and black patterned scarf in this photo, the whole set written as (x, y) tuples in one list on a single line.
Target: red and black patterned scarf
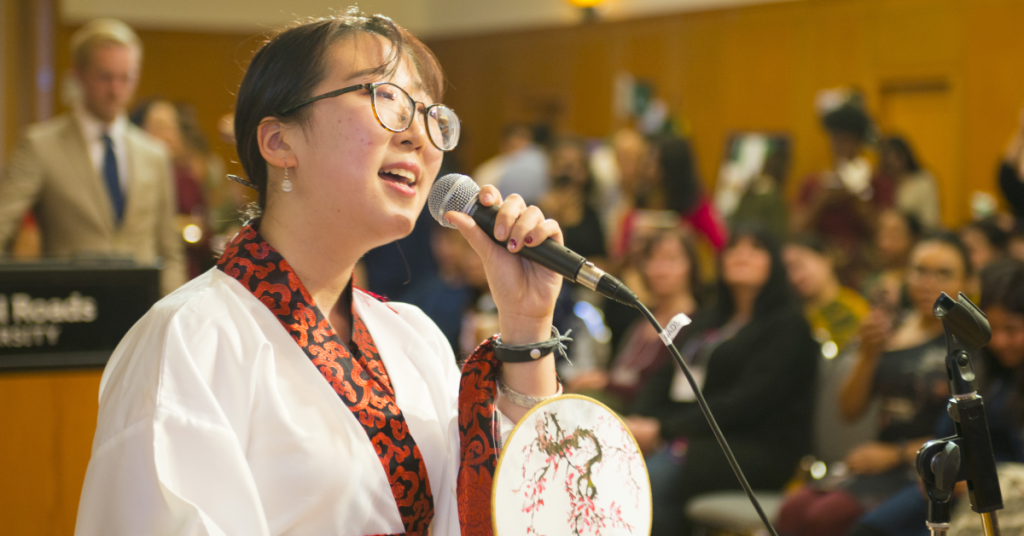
[(358, 375)]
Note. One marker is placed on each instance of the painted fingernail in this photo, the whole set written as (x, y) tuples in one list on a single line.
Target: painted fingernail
[(499, 232), (511, 244), (528, 240), (486, 199)]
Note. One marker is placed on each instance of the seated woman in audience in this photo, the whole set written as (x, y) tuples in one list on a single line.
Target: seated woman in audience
[(895, 235), (834, 311), (669, 267), (755, 357), (902, 363), (1001, 373)]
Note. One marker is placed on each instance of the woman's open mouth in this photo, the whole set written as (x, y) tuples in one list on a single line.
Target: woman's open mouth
[(401, 180)]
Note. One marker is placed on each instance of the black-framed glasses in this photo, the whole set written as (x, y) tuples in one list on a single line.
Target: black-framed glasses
[(395, 110)]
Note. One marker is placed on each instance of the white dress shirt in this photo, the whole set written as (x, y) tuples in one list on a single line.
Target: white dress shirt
[(92, 132)]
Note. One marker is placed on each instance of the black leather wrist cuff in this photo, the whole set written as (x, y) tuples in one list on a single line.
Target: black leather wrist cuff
[(525, 353), (507, 354)]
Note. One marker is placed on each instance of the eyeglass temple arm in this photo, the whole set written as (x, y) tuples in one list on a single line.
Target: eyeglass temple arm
[(327, 95)]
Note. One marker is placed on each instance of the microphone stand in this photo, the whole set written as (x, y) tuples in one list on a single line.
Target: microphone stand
[(968, 454)]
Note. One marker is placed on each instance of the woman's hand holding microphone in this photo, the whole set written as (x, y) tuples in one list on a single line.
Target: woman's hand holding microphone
[(524, 292)]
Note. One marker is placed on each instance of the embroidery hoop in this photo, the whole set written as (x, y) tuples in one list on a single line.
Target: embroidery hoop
[(566, 408)]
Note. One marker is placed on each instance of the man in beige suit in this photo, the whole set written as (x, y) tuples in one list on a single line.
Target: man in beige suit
[(98, 184)]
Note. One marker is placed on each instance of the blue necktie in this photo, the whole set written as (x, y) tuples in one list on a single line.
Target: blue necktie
[(111, 176)]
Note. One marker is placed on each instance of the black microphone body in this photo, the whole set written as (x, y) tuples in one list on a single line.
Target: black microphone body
[(459, 193), (549, 254)]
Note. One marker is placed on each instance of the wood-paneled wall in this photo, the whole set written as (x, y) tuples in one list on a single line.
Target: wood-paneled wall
[(47, 419), (948, 72)]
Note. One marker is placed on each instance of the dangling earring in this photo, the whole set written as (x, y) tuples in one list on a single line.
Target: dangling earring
[(286, 185)]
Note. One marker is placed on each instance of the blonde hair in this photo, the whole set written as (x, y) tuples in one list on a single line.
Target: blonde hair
[(102, 31)]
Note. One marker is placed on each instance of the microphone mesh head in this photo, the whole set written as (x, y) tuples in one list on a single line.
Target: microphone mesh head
[(451, 192)]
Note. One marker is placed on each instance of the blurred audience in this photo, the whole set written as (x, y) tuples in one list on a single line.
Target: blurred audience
[(444, 295), (895, 235), (98, 184), (668, 264), (985, 241), (1001, 378), (1011, 170), (1015, 243), (833, 311), (571, 200), (741, 362), (629, 151), (670, 183), (837, 203), (521, 167), (916, 192), (902, 362), (764, 202), (480, 317), (161, 119), (673, 172)]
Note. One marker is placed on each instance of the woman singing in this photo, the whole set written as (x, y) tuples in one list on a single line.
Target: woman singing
[(269, 396)]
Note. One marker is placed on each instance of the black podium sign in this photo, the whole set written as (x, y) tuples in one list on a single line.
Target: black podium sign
[(70, 314)]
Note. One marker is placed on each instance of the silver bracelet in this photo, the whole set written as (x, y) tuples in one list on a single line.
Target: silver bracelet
[(522, 400)]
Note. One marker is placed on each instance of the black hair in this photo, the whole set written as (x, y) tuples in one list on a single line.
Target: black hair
[(293, 62), (775, 295), (809, 241), (900, 146), (994, 234), (913, 224), (678, 173), (542, 135), (910, 221), (1002, 285), (849, 119), (139, 112), (953, 241), (689, 249), (574, 142)]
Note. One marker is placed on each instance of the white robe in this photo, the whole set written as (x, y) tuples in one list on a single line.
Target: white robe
[(213, 421)]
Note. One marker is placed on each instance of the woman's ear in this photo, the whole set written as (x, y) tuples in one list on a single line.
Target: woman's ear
[(273, 141)]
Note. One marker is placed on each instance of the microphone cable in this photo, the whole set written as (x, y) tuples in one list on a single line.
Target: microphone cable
[(707, 415)]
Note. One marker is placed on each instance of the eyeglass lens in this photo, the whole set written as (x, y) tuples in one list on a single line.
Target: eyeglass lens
[(396, 110)]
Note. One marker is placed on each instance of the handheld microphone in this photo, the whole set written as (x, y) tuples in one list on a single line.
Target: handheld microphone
[(459, 193)]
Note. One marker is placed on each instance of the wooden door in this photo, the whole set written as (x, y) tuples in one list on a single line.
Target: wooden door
[(924, 113)]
